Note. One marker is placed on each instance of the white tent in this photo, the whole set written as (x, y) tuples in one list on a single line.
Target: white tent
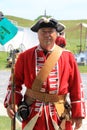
[(84, 25), (24, 38)]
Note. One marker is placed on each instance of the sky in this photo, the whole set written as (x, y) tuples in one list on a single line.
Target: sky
[(58, 9)]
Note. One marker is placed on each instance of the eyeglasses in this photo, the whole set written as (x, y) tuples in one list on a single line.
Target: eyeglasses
[(47, 31)]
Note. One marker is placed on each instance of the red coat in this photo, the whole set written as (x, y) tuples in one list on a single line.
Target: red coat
[(69, 81)]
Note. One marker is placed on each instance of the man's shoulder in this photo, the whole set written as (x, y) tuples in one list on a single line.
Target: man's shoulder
[(30, 50), (28, 53), (68, 54)]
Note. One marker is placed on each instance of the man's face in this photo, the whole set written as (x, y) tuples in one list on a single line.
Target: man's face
[(47, 36)]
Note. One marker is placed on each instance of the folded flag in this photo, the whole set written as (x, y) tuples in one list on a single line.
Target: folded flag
[(7, 30)]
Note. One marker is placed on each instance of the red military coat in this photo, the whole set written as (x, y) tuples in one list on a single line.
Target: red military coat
[(68, 80)]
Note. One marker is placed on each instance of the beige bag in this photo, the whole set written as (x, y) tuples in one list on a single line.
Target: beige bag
[(60, 107)]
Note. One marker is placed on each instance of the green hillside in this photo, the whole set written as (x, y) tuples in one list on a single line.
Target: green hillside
[(20, 21), (75, 41)]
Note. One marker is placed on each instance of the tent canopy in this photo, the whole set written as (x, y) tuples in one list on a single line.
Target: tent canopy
[(24, 38)]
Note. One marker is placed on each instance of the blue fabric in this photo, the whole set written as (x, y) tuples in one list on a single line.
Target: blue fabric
[(7, 31)]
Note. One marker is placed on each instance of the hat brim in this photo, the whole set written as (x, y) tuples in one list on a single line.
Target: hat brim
[(51, 23), (60, 27)]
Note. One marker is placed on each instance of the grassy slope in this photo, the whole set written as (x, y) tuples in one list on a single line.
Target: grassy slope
[(72, 31), (5, 123), (3, 62), (20, 21)]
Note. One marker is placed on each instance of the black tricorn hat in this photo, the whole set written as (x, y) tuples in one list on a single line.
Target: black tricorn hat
[(47, 22)]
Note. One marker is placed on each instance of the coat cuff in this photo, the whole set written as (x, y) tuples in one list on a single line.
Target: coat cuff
[(8, 100), (78, 109)]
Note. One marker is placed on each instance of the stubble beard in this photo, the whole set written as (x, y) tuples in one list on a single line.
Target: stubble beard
[(48, 42)]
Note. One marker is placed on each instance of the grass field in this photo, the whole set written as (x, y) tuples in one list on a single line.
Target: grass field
[(3, 61), (5, 123)]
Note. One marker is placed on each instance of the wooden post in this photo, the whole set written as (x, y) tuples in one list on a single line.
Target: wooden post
[(13, 121), (81, 37)]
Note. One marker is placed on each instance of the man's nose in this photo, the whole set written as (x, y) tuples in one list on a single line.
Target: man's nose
[(47, 33)]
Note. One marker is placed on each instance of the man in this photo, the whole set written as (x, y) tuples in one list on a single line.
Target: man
[(47, 81)]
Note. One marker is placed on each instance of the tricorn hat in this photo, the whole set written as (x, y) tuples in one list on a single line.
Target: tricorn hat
[(47, 22)]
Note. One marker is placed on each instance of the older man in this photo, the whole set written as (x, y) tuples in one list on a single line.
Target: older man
[(49, 74)]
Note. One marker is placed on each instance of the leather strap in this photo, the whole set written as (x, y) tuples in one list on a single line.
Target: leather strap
[(44, 97), (35, 93), (45, 70)]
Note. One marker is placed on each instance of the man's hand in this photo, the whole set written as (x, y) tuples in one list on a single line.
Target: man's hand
[(10, 111), (77, 122)]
